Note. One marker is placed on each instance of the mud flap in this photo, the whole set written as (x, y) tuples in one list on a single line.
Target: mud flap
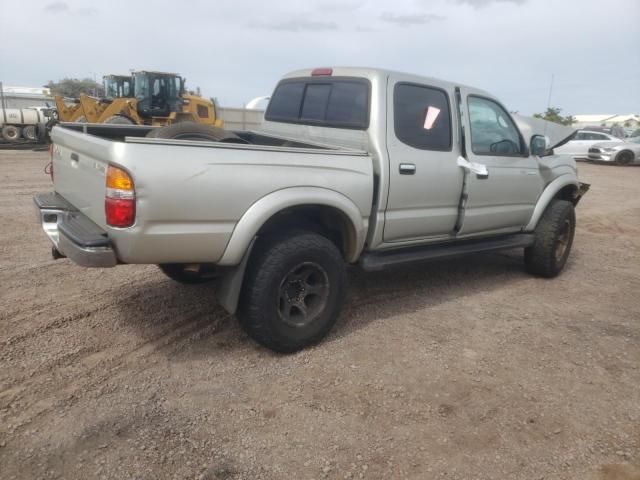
[(582, 189), (228, 291)]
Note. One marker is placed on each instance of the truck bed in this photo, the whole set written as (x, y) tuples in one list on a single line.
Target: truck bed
[(128, 133), (190, 195)]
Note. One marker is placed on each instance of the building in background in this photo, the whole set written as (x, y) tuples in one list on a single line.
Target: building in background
[(25, 97), (607, 120)]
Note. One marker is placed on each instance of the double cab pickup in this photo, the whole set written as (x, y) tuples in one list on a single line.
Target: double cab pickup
[(351, 166)]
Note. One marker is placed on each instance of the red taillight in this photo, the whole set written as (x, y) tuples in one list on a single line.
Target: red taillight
[(120, 212), (120, 200), (317, 72)]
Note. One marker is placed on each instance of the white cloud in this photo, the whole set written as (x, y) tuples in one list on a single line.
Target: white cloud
[(410, 18), (237, 49)]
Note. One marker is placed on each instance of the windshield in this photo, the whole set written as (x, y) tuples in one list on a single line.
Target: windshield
[(161, 86), (141, 86), (117, 87)]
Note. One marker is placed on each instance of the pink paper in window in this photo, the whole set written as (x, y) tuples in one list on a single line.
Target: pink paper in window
[(430, 117)]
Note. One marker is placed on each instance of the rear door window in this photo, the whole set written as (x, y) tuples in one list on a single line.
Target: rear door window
[(329, 102), (422, 118)]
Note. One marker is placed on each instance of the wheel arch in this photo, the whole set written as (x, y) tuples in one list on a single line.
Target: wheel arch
[(318, 209), (565, 187)]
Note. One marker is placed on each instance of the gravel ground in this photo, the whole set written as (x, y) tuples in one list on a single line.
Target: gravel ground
[(467, 369)]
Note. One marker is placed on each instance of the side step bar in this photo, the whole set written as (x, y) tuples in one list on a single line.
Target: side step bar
[(380, 260)]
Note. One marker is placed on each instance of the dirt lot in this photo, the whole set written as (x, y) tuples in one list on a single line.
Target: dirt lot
[(468, 369)]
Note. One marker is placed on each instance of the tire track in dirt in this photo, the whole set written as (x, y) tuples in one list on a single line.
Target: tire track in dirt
[(99, 367)]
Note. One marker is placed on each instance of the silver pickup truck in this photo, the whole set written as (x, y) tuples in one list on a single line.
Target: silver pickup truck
[(353, 166)]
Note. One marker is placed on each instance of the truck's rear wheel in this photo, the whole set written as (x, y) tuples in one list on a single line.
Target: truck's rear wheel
[(194, 131), (293, 290), (10, 133), (554, 238), (29, 132)]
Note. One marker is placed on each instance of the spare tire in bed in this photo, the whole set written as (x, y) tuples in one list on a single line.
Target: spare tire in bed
[(195, 131)]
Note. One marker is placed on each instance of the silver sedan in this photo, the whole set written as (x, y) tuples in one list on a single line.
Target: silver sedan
[(623, 152)]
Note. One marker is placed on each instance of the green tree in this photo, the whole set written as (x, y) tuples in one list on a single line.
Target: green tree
[(73, 87), (553, 115)]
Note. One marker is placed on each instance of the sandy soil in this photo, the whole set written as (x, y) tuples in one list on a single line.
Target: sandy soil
[(466, 369)]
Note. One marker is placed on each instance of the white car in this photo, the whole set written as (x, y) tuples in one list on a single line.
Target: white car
[(622, 152), (578, 148)]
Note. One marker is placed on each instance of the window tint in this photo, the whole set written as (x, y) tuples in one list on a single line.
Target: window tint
[(329, 102), (348, 104), (285, 104), (599, 136), (422, 117), (580, 136), (316, 99), (492, 131)]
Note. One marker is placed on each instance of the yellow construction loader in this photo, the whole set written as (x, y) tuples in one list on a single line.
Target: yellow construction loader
[(144, 98), (68, 112)]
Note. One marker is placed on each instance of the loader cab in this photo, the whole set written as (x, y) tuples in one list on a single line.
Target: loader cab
[(158, 94), (118, 86)]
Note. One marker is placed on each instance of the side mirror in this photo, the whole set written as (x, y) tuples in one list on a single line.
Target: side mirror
[(539, 145)]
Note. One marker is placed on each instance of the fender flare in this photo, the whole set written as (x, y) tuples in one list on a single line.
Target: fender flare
[(269, 205), (547, 195)]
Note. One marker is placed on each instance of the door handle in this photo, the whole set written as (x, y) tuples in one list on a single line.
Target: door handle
[(407, 168)]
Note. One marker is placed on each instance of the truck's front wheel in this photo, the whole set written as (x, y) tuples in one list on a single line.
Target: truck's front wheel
[(293, 291), (554, 238)]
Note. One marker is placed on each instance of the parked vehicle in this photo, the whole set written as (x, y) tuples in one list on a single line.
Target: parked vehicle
[(143, 98), (578, 147), (621, 152), (354, 166), (20, 124)]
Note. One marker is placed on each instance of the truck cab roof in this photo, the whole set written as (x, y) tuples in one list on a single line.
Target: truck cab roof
[(380, 74)]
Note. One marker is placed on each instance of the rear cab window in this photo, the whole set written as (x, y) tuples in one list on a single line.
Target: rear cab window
[(338, 102)]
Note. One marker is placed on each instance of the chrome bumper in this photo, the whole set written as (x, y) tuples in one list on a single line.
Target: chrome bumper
[(72, 233)]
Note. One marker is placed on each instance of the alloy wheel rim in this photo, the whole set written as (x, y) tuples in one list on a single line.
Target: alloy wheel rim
[(303, 294)]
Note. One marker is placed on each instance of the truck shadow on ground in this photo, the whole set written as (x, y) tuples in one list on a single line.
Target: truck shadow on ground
[(188, 315)]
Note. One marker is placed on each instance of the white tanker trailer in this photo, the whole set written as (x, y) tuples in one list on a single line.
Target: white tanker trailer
[(21, 123)]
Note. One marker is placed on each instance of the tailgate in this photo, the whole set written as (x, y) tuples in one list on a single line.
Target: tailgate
[(79, 165)]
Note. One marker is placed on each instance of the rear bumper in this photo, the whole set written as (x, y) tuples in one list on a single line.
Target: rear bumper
[(72, 233)]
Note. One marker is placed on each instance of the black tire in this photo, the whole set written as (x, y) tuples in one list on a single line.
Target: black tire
[(554, 238), (194, 131), (189, 274), (30, 133), (119, 120), (624, 158), (11, 133), (285, 272)]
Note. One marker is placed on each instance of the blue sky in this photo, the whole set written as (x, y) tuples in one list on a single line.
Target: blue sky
[(237, 50)]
